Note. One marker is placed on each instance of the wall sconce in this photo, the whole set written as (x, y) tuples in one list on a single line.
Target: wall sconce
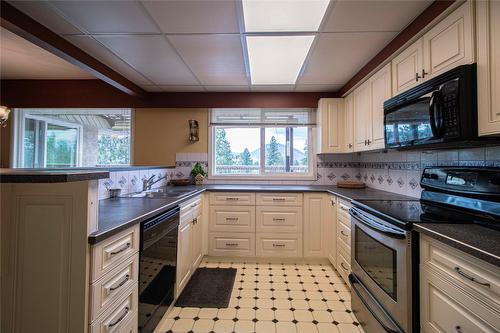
[(194, 131), (4, 115)]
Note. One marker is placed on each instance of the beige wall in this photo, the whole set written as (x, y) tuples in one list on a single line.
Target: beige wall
[(160, 133)]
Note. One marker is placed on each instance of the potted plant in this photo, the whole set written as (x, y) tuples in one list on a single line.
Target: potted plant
[(198, 173)]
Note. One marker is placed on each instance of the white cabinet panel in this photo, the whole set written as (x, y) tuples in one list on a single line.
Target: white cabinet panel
[(184, 255), (197, 249), (380, 85), (279, 245), (332, 231), (316, 215), (330, 119), (362, 119), (232, 218), (279, 219), (231, 244), (279, 199), (232, 198), (407, 68), (347, 129)]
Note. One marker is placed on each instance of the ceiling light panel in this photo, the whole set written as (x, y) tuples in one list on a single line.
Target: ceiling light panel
[(283, 15), (277, 59)]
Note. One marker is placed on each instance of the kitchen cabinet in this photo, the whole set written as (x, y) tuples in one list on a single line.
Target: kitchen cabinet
[(380, 88), (184, 254), (332, 231), (458, 292), (343, 243), (316, 215), (197, 248), (347, 127), (488, 66), (362, 105), (448, 44), (330, 123)]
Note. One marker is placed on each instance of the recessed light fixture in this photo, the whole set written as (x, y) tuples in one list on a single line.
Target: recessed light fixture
[(277, 59), (283, 15)]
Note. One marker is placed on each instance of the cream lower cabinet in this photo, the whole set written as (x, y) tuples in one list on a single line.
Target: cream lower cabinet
[(316, 215), (189, 245), (488, 66), (332, 231), (458, 292), (330, 117), (343, 239)]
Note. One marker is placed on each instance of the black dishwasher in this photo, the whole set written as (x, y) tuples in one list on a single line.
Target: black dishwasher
[(157, 267)]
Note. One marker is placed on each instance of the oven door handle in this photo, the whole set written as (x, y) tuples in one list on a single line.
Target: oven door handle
[(392, 232), (354, 280)]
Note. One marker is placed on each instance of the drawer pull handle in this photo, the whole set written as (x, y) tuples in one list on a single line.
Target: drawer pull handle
[(232, 219), (343, 233), (278, 219), (278, 245), (459, 271), (344, 208), (127, 277), (119, 319), (195, 220), (279, 199), (232, 199), (345, 268), (120, 250), (231, 244), (458, 329)]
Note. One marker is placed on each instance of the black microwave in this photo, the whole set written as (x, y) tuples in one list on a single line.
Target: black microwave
[(439, 111)]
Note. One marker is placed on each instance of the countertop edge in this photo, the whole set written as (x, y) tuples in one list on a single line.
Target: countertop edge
[(34, 178), (477, 253)]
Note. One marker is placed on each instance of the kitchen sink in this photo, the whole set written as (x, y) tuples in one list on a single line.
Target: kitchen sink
[(159, 193)]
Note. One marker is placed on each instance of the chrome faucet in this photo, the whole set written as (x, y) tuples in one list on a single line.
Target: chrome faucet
[(147, 183)]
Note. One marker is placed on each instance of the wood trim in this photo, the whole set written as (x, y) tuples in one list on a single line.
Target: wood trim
[(426, 17), (98, 94), (21, 24)]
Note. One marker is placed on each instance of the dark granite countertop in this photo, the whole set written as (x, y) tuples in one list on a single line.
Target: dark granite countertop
[(479, 241), (49, 175), (117, 214)]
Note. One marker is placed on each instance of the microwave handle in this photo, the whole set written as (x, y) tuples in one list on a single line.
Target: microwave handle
[(436, 113)]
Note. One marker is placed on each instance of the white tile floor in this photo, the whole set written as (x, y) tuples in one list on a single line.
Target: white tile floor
[(273, 298)]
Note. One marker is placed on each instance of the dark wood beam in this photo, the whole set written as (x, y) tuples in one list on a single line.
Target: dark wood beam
[(21, 24), (97, 94), (419, 23)]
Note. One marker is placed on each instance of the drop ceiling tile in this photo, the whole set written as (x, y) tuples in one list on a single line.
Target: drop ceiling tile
[(214, 59), (151, 88), (272, 88), (152, 56), (108, 16), (178, 88), (101, 53), (42, 12), (338, 56), (318, 87), (391, 15), (227, 88), (194, 16)]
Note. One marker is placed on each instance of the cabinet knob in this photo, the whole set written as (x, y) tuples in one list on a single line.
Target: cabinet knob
[(349, 145)]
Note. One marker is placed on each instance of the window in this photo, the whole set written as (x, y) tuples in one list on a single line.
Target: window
[(66, 138), (272, 143)]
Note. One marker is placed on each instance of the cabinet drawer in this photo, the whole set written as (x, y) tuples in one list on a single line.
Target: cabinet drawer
[(445, 308), (279, 245), (112, 285), (232, 244), (343, 264), (279, 199), (279, 219), (232, 218), (235, 198), (481, 278), (344, 236), (116, 318), (190, 210), (343, 209), (110, 252)]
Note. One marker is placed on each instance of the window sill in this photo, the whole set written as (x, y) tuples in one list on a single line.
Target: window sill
[(262, 178)]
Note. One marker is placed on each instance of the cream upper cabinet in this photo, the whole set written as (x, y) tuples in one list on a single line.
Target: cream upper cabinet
[(407, 68), (362, 119), (380, 86), (347, 129), (316, 215), (488, 66), (329, 124), (450, 43)]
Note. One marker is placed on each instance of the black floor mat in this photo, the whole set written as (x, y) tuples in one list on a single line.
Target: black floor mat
[(208, 288)]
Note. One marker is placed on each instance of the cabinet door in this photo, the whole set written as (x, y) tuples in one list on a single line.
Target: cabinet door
[(315, 224), (347, 129), (380, 85), (488, 66), (361, 116), (197, 250), (329, 140), (184, 255), (450, 43), (332, 231), (407, 68)]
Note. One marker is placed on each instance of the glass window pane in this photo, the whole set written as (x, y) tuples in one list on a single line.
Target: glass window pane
[(61, 146), (275, 155), (299, 155), (29, 143), (237, 151)]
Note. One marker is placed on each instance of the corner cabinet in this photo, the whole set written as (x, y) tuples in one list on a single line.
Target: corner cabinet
[(488, 66), (330, 122)]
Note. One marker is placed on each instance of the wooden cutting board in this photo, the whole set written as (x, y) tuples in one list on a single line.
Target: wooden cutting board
[(350, 184)]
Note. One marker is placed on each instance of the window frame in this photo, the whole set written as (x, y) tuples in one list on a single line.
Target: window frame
[(311, 175)]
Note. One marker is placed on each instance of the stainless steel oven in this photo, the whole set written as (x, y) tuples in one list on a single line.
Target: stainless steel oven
[(381, 278)]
